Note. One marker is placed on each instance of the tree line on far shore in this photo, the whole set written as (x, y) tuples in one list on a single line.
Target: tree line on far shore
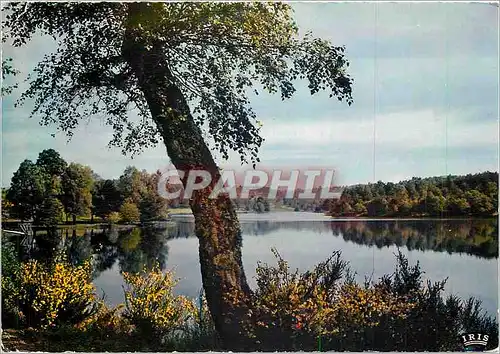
[(51, 191), (451, 196)]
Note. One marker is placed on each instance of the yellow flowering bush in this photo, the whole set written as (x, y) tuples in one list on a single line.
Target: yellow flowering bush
[(303, 306), (105, 320), (55, 293), (358, 307), (150, 304), (288, 300)]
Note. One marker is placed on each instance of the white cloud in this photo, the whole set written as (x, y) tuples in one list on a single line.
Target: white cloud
[(418, 129)]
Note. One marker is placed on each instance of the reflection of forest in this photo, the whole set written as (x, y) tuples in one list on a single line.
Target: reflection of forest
[(133, 249), (477, 237), (138, 247), (474, 237), (257, 228)]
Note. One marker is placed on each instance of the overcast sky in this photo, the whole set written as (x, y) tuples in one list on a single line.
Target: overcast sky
[(425, 100)]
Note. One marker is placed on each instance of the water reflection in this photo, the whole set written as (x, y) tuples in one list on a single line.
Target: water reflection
[(137, 247), (133, 248), (473, 237), (304, 243)]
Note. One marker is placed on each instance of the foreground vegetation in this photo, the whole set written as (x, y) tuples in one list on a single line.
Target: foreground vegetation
[(194, 100), (52, 305)]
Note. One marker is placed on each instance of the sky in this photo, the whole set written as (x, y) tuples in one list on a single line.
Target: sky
[(425, 95)]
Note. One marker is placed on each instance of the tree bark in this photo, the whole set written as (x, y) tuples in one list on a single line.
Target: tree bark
[(216, 223)]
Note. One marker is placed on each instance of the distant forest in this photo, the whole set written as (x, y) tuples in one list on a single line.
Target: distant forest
[(470, 195)]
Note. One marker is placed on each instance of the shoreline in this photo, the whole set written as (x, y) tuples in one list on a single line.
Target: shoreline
[(303, 216), (243, 216)]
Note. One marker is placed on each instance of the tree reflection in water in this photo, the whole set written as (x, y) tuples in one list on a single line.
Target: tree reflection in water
[(135, 248), (478, 237), (474, 237)]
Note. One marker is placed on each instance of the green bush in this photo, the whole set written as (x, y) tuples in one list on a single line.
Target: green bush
[(113, 217), (435, 323), (10, 284), (129, 213)]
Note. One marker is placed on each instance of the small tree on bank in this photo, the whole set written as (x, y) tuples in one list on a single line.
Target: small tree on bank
[(129, 212), (27, 191), (77, 185)]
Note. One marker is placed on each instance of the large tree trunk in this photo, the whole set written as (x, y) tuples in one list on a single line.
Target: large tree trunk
[(216, 222)]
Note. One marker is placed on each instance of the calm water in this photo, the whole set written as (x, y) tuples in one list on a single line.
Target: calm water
[(464, 251)]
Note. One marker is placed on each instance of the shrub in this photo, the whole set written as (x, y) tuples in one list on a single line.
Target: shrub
[(293, 308), (129, 212), (399, 312), (10, 284), (434, 323), (57, 293), (105, 321), (113, 217), (152, 307)]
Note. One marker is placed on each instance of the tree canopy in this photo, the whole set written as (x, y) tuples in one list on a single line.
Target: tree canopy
[(75, 190), (217, 54)]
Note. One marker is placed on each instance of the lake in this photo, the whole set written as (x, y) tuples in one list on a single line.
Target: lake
[(464, 251)]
